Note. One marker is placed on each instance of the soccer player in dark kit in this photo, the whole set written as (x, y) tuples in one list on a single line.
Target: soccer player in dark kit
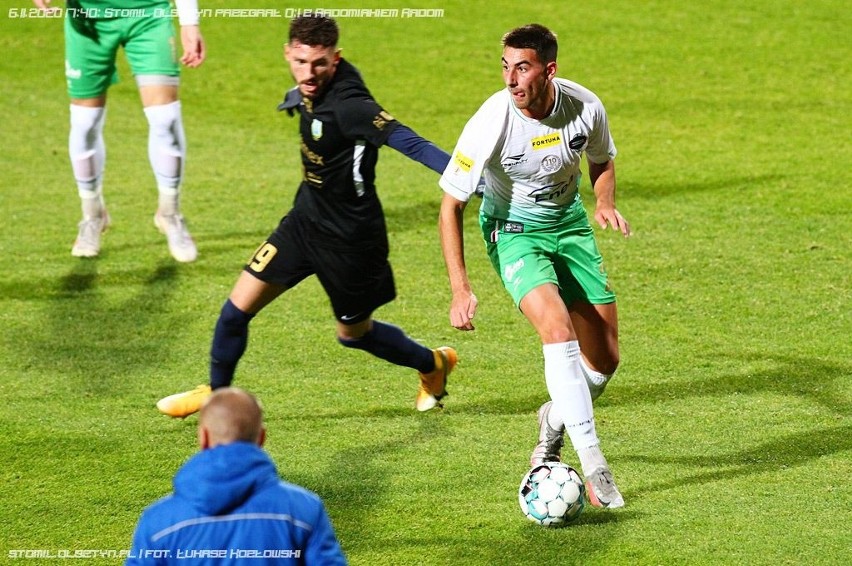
[(336, 228)]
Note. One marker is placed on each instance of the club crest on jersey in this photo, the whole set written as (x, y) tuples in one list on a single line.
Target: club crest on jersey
[(316, 129), (578, 142), (551, 163)]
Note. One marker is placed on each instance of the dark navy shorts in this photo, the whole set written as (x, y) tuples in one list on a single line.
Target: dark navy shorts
[(356, 276)]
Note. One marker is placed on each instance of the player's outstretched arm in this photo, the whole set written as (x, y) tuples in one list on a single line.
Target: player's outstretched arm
[(450, 225), (602, 177), (407, 142)]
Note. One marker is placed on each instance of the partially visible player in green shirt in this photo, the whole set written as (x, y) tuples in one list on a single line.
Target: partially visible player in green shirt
[(94, 30)]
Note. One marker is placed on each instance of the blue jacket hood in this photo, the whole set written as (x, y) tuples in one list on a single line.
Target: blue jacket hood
[(218, 479)]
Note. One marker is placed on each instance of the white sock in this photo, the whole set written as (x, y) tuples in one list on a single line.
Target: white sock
[(87, 151), (166, 146), (596, 380), (572, 402), (92, 203), (591, 459), (168, 201)]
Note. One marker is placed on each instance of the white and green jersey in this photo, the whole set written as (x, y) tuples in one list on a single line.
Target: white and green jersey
[(531, 167)]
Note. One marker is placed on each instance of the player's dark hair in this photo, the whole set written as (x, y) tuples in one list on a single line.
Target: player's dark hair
[(314, 31), (535, 37)]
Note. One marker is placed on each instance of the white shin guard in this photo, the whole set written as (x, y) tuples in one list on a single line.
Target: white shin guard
[(570, 393), (86, 148), (166, 146)]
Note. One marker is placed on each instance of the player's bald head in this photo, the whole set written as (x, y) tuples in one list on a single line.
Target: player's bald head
[(230, 415)]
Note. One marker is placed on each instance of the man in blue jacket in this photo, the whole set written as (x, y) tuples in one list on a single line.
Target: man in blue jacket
[(229, 503)]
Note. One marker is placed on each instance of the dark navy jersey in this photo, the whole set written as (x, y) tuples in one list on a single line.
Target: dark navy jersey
[(341, 133)]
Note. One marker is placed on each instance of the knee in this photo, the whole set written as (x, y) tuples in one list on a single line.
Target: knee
[(232, 317), (556, 334), (610, 366), (166, 129), (358, 342), (86, 124), (606, 363), (354, 335), (163, 118)]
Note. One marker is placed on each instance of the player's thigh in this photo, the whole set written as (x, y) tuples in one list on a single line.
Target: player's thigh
[(545, 310), (251, 294), (522, 262), (157, 94), (586, 289), (90, 51), (151, 48), (278, 264), (358, 280), (579, 265)]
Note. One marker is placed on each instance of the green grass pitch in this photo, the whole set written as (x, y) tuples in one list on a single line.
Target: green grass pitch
[(728, 425)]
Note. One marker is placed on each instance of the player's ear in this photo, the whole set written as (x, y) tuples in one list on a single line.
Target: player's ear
[(203, 438), (551, 70), (261, 437)]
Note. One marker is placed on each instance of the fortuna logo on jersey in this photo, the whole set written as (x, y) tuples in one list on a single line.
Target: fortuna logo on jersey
[(548, 140), (316, 129), (463, 162)]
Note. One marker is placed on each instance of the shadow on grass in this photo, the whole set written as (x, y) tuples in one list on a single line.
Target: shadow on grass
[(798, 449), (573, 544), (519, 405), (357, 481), (96, 343), (817, 380), (652, 191)]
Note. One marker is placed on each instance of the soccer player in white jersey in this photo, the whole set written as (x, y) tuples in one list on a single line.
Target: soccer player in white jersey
[(527, 141)]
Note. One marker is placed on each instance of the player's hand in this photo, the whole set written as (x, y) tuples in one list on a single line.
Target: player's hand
[(611, 217), (44, 6), (194, 50), (462, 310)]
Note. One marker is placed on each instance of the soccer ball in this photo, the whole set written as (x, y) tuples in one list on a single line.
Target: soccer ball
[(552, 494)]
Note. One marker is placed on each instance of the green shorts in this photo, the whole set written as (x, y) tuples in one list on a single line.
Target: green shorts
[(91, 46), (565, 255)]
